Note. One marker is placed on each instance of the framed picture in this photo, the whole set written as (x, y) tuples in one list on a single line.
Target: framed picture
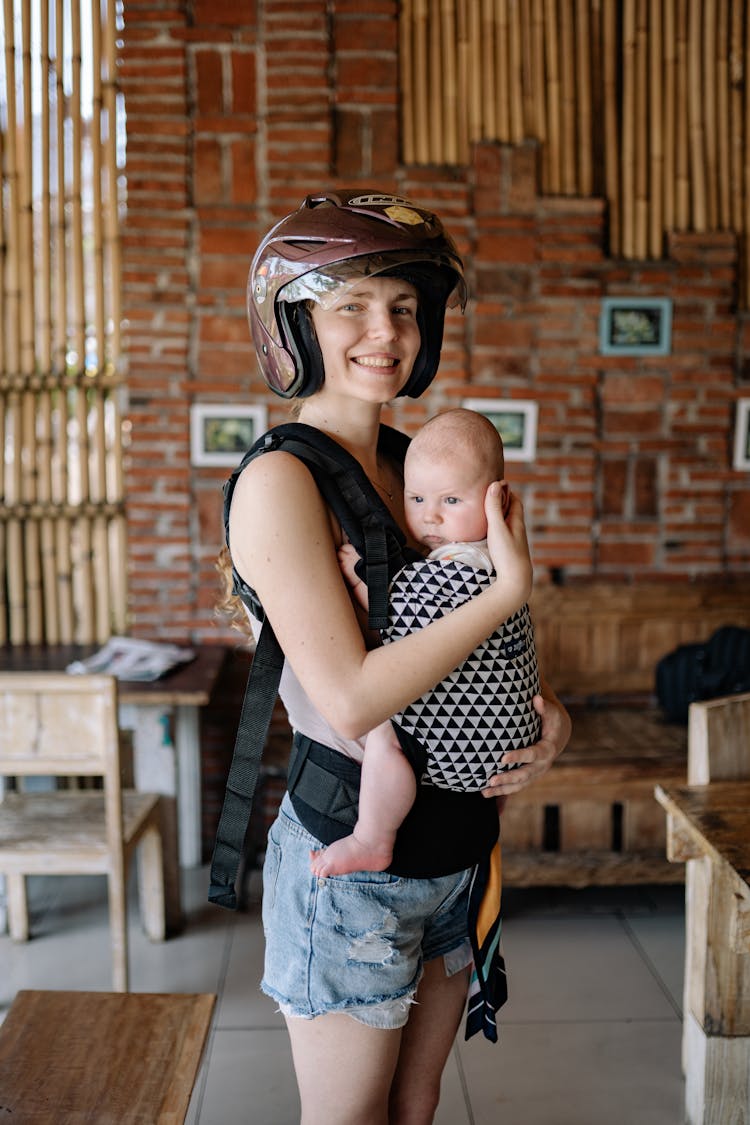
[(635, 326), (742, 435), (220, 433), (516, 422)]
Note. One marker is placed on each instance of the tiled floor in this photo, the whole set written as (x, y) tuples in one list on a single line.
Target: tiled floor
[(591, 1033)]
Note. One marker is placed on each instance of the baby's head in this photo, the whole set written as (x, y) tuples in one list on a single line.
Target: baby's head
[(449, 466)]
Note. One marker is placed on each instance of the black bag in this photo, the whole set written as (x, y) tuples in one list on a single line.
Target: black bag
[(708, 670), (728, 661)]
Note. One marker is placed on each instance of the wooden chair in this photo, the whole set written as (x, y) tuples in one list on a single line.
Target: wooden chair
[(55, 724)]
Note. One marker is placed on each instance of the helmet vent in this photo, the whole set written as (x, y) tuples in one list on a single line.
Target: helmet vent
[(305, 244)]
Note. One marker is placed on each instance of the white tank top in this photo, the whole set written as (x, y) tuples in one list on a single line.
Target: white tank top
[(303, 716)]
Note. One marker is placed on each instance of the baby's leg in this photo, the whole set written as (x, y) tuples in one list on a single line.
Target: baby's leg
[(386, 794)]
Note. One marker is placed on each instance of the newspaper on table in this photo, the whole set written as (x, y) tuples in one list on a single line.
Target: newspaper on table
[(129, 658)]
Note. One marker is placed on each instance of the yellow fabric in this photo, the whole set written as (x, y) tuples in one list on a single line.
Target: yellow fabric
[(490, 906)]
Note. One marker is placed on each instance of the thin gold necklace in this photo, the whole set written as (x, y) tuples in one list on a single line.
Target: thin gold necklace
[(386, 491), (383, 489)]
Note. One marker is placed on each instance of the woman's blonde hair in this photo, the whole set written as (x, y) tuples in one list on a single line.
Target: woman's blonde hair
[(228, 606)]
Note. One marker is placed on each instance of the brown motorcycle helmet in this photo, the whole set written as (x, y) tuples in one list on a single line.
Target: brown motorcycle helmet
[(333, 240)]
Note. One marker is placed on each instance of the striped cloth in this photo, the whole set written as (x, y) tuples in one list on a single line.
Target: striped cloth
[(488, 989)]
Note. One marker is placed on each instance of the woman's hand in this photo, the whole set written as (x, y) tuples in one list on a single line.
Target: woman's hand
[(535, 760), (507, 542)]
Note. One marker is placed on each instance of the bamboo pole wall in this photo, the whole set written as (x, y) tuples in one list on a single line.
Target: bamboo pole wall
[(642, 101), (62, 519)]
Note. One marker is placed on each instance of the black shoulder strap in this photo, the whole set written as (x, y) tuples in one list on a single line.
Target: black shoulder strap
[(343, 484), (255, 718), (377, 538)]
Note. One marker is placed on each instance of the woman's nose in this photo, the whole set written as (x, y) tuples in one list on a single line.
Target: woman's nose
[(382, 325)]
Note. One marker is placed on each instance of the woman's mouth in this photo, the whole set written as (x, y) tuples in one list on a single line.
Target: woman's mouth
[(382, 363)]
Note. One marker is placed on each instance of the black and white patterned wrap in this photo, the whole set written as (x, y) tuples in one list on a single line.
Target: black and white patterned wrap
[(484, 708)]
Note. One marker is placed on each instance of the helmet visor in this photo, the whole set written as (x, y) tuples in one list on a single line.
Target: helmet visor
[(326, 286)]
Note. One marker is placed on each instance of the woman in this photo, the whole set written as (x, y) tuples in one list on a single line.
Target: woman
[(346, 300)]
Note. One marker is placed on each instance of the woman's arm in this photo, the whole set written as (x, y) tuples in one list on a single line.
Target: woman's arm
[(283, 544), (535, 760)]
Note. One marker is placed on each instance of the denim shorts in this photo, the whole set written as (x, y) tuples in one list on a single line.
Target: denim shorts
[(353, 943)]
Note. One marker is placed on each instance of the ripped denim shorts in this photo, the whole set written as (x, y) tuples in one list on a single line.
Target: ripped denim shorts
[(353, 943)]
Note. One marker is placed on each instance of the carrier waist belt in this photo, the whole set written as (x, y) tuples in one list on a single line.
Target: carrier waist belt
[(443, 833), (326, 781)]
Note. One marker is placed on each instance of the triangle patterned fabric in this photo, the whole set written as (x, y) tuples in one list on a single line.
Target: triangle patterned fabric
[(484, 708)]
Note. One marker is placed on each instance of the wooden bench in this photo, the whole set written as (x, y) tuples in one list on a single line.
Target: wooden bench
[(129, 1058), (593, 819)]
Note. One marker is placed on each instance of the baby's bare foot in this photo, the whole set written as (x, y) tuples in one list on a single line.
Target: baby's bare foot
[(347, 855)]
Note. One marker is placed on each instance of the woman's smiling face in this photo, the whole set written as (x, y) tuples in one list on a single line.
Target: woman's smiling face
[(369, 338)]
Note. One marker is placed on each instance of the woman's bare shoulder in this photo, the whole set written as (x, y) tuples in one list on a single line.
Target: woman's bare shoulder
[(278, 512), (275, 470)]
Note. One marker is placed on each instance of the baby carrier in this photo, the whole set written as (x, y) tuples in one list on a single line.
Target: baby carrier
[(484, 707), (445, 831)]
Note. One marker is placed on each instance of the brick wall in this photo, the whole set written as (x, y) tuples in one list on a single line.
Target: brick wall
[(232, 116)]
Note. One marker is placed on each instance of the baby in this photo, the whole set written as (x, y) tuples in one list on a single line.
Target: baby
[(456, 735)]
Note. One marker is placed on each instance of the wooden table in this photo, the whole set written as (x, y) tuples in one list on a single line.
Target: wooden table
[(709, 825), (111, 1057), (713, 820), (180, 693)]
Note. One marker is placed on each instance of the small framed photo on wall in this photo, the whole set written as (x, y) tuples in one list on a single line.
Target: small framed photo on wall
[(742, 436), (220, 432), (635, 326), (516, 422)]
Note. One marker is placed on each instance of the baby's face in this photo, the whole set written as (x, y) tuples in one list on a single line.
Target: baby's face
[(444, 501)]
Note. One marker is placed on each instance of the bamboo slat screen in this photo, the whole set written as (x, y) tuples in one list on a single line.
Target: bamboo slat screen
[(62, 522), (644, 102)]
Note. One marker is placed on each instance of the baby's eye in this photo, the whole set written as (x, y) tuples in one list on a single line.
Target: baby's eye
[(416, 499), (452, 499)]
